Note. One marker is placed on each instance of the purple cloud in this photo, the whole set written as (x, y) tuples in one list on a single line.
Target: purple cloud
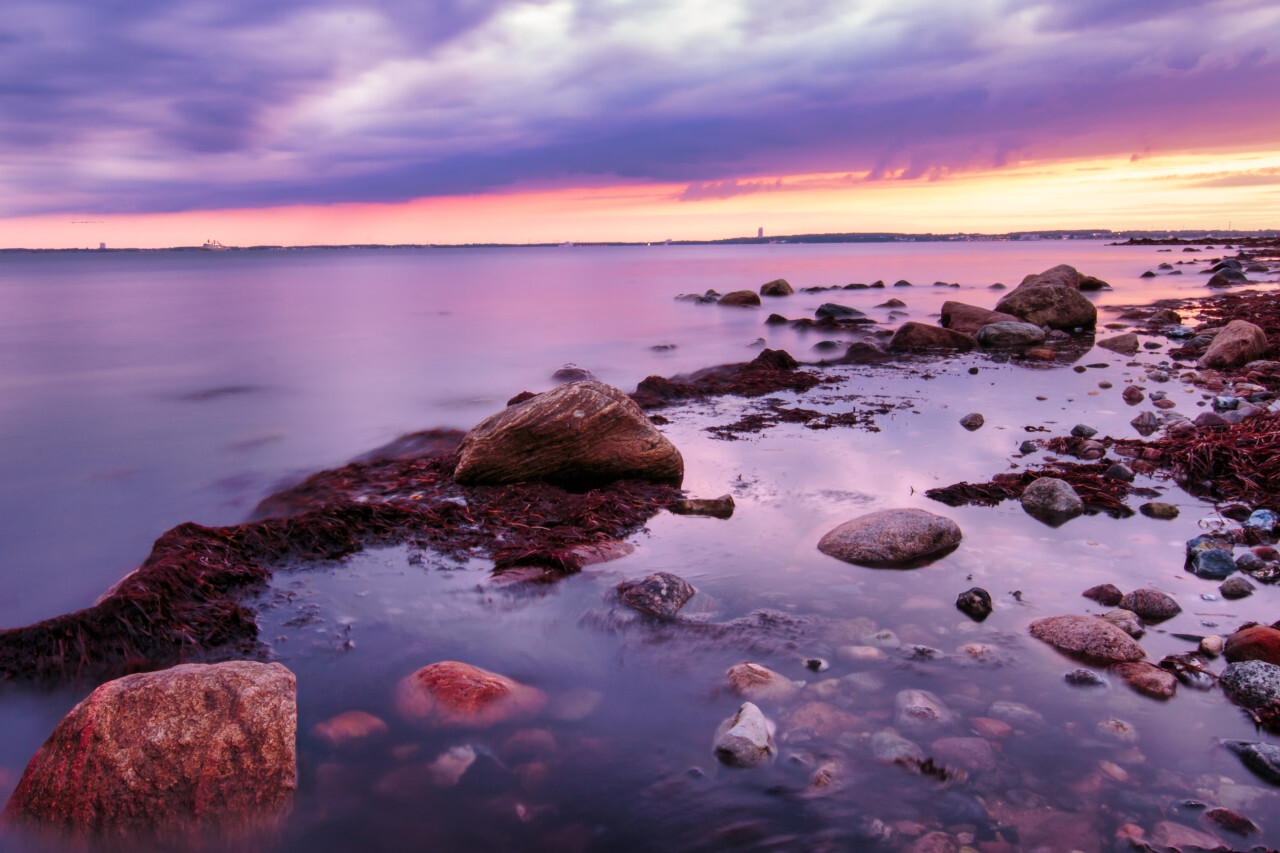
[(172, 104)]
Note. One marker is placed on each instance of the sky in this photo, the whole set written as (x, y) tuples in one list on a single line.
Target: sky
[(167, 122)]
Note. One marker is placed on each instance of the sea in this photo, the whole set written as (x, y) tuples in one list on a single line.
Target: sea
[(142, 390)]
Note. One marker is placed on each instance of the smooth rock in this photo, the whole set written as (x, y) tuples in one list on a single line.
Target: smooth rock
[(972, 421), (969, 753), (746, 738), (823, 719), (921, 710), (1231, 821), (741, 298), (890, 747), (1238, 343), (1010, 333), (1262, 758), (1126, 344), (1107, 594), (349, 728), (661, 594), (975, 602), (777, 287), (1057, 306), (1236, 588), (1252, 683), (572, 373), (970, 318), (1052, 500), (891, 537), (1257, 642), (1088, 637), (451, 694), (836, 311), (914, 335), (759, 683), (582, 432), (1084, 678), (1022, 717), (1132, 395), (1127, 621), (176, 758), (1158, 509), (1151, 604), (1167, 835), (1147, 678), (1212, 564), (721, 507), (1120, 471)]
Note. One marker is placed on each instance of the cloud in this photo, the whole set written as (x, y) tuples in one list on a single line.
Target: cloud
[(174, 104), (1245, 178)]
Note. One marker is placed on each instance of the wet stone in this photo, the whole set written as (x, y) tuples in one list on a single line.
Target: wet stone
[(1262, 758), (746, 738), (1087, 636), (1231, 821), (1252, 683), (975, 602), (1127, 621), (1120, 471), (972, 421), (889, 746), (758, 683), (1083, 678), (1236, 587), (1028, 447), (1212, 564), (921, 710), (1083, 431), (1257, 642), (891, 537), (970, 753), (1108, 595), (1145, 423), (1151, 604), (721, 507), (1147, 678), (1132, 395), (1051, 500), (661, 594), (1160, 510)]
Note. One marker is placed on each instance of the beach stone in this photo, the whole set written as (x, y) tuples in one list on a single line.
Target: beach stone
[(890, 537), (1262, 758), (721, 507), (1083, 431), (1020, 716), (1212, 564), (1028, 447), (1052, 500), (921, 710), (1165, 317), (1252, 683), (777, 287), (1132, 395), (836, 311), (1119, 471), (1127, 621), (1159, 509), (349, 728), (1117, 730), (892, 303), (1126, 344), (1084, 678), (572, 373), (969, 753), (1106, 594), (661, 594), (972, 421), (1212, 646), (1257, 642), (1231, 821), (758, 683), (823, 719), (741, 298), (746, 738), (890, 747), (1238, 343), (175, 758), (1167, 835), (582, 432), (451, 694), (1236, 587), (1147, 678), (968, 319), (975, 602), (990, 729), (1087, 636), (914, 335), (1010, 333), (1041, 301), (1151, 604)]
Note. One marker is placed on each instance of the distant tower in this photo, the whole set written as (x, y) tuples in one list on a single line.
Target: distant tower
[(102, 247), (760, 232)]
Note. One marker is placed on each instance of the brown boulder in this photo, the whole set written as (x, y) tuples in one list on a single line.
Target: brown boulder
[(1088, 637), (1126, 344), (741, 298), (1240, 342), (582, 432), (891, 537), (1057, 306), (913, 335), (1147, 678), (960, 317), (200, 753), (777, 287), (1258, 642), (457, 695)]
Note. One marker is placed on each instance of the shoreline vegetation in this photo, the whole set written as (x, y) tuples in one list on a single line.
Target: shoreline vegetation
[(189, 601), (1208, 238)]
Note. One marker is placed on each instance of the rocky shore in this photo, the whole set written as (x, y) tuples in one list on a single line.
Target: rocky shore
[(558, 481)]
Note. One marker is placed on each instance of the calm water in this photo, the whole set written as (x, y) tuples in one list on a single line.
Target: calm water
[(144, 390)]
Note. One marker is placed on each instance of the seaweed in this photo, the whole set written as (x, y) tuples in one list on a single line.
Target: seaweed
[(1099, 492), (768, 373)]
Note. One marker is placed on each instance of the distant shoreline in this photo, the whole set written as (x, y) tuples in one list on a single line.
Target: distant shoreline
[(1132, 238)]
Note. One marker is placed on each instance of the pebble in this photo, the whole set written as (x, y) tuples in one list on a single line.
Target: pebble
[(1083, 431), (975, 602), (1236, 587), (1127, 621), (1212, 646), (1157, 509), (972, 421), (746, 738), (1108, 595)]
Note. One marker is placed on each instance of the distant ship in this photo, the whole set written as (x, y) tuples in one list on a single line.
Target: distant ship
[(213, 246)]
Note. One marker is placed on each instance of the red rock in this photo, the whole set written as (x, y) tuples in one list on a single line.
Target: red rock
[(200, 753), (968, 319), (1166, 834), (826, 721), (913, 335), (349, 727), (1090, 637), (1105, 594), (1231, 821), (1239, 343), (1046, 300), (991, 729), (1256, 643), (1040, 354), (970, 753), (759, 683), (1147, 678), (934, 842), (458, 695)]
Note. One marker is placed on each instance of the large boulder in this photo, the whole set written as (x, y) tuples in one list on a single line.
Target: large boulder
[(1057, 306), (1257, 642), (451, 694), (913, 335), (200, 753), (777, 287), (960, 317), (582, 432), (1064, 275), (891, 537), (1088, 637), (1239, 343), (741, 298)]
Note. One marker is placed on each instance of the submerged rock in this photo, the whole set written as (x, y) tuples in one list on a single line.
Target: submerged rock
[(452, 694), (1158, 509), (1147, 678), (891, 537), (1262, 758), (1151, 604), (1127, 621), (921, 710), (975, 602), (1238, 343), (1087, 636), (173, 758), (1126, 344), (1052, 500), (1106, 594), (1051, 299), (349, 728), (759, 683), (1212, 563), (661, 594), (741, 298), (835, 311), (582, 432), (746, 738)]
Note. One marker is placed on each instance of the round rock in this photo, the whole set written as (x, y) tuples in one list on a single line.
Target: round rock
[(1151, 604), (1052, 500), (1252, 683), (1087, 636), (891, 537)]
